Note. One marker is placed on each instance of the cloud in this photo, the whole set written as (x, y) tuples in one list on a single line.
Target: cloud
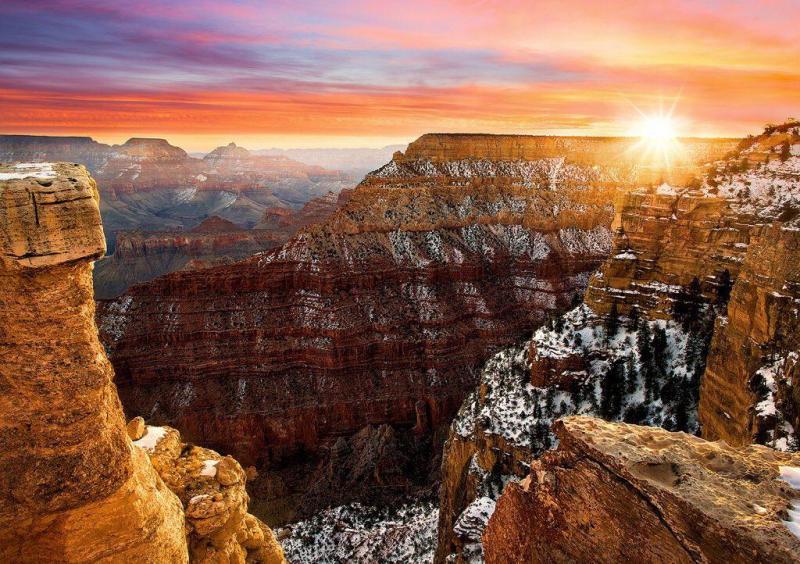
[(393, 68)]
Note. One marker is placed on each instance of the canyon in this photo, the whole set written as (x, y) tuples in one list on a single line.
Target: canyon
[(141, 256), (443, 325), (658, 311), (148, 184), (157, 202), (335, 363), (74, 487)]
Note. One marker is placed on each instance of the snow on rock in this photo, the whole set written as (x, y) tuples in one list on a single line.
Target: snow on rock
[(780, 435), (19, 171), (790, 475), (365, 534), (209, 468), (471, 524), (151, 438)]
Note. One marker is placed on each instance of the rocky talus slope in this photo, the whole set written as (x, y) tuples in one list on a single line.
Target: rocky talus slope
[(211, 489), (359, 338), (74, 488), (637, 349), (614, 492)]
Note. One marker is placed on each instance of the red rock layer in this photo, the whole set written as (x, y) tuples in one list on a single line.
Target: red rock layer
[(379, 316)]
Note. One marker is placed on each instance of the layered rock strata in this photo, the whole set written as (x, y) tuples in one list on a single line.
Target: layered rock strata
[(148, 184), (617, 492), (750, 387), (141, 256), (73, 488), (378, 316), (641, 339)]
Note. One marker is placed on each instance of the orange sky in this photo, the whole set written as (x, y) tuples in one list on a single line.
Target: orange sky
[(360, 73)]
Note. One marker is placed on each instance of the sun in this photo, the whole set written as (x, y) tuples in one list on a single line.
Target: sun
[(658, 144), (658, 130)]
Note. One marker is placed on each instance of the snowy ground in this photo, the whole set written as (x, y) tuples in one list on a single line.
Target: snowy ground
[(362, 534), (522, 414)]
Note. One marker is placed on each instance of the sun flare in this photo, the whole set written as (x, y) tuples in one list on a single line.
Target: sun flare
[(659, 129)]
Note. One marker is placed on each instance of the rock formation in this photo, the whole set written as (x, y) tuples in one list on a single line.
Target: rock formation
[(212, 490), (74, 488), (616, 492), (750, 389), (379, 316), (637, 349)]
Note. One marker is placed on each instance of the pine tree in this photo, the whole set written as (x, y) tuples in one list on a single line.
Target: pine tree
[(647, 367), (660, 347), (786, 152), (635, 317), (682, 411), (612, 322), (612, 390), (724, 286), (630, 375), (688, 304)]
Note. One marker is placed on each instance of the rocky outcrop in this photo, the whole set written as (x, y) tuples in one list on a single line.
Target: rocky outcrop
[(73, 488), (749, 392), (616, 492), (212, 491)]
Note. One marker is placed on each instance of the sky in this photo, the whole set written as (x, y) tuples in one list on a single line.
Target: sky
[(294, 73)]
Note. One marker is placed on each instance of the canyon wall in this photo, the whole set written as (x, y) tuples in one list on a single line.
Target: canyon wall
[(636, 350), (141, 256), (750, 392), (379, 316), (616, 492)]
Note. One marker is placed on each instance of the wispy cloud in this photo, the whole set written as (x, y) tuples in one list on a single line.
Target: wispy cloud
[(391, 68)]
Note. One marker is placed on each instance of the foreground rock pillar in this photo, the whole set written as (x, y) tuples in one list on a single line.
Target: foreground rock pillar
[(72, 487)]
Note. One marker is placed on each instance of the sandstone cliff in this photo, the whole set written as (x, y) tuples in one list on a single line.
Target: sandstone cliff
[(211, 489), (750, 392), (74, 487), (616, 492)]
